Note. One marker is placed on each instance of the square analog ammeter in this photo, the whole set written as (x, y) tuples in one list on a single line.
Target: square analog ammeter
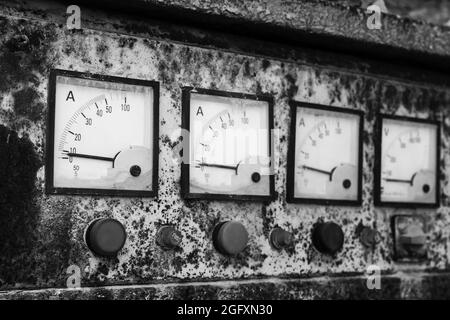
[(325, 155), (230, 145), (407, 167), (102, 135)]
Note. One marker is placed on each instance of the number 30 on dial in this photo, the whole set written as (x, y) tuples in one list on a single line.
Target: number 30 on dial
[(325, 155)]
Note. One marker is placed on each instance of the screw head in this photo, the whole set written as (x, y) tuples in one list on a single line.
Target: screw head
[(346, 183), (256, 177), (426, 188), (135, 171)]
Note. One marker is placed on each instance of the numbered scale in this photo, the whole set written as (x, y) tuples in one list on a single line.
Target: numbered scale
[(103, 135), (407, 162), (325, 155), (229, 145)]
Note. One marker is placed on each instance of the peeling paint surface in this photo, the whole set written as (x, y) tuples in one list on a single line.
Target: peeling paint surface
[(52, 238)]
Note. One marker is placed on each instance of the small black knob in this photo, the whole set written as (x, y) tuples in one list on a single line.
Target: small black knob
[(230, 237), (168, 238), (256, 177), (368, 237), (426, 188), (135, 171), (105, 237), (280, 238), (328, 237)]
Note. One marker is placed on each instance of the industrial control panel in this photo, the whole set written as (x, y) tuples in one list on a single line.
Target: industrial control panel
[(140, 158), (103, 141)]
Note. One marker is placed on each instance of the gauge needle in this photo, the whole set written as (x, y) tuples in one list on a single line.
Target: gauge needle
[(399, 180), (318, 170), (89, 156), (222, 166)]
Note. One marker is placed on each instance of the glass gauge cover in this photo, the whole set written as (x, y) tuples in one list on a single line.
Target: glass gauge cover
[(229, 145), (325, 152), (407, 170), (103, 135)]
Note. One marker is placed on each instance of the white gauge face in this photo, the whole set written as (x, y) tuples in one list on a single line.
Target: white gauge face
[(103, 135), (230, 146), (326, 154), (408, 161)]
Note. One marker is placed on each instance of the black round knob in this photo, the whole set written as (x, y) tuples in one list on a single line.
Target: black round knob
[(280, 238), (328, 237), (256, 177), (168, 238), (135, 171), (105, 237), (426, 188), (230, 237)]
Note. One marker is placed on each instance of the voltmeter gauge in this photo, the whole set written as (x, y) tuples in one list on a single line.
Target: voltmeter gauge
[(407, 166), (325, 152), (230, 145), (103, 134)]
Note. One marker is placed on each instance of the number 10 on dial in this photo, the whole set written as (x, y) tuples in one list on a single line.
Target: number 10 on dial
[(325, 155)]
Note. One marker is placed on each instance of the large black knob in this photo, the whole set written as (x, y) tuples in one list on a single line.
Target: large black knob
[(105, 237), (230, 238), (327, 237)]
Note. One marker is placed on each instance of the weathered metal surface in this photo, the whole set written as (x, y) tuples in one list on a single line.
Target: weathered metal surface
[(319, 23), (410, 286), (40, 235)]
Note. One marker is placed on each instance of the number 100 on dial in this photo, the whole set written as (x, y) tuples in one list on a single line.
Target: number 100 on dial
[(325, 155), (103, 135)]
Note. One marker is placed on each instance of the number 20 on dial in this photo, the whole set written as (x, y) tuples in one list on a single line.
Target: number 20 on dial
[(325, 155), (103, 135)]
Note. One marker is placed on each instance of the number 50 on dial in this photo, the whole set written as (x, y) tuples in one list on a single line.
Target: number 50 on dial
[(325, 155)]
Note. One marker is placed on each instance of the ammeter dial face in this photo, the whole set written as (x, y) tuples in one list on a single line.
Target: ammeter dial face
[(103, 135), (409, 161), (229, 146), (326, 151)]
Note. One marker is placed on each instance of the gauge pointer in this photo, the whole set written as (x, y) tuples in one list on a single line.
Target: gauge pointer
[(222, 166), (410, 181), (399, 180), (89, 156), (318, 170)]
